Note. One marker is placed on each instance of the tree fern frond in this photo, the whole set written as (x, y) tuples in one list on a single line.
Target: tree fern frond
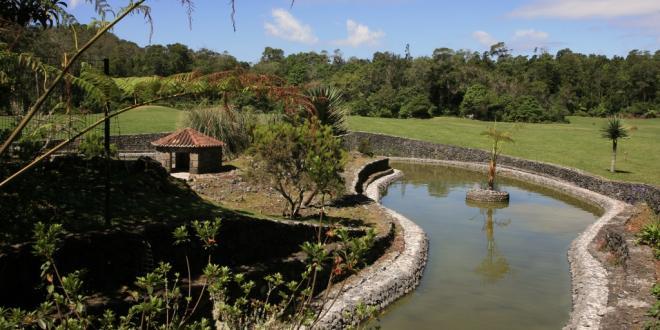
[(145, 11), (102, 8), (103, 83), (89, 89)]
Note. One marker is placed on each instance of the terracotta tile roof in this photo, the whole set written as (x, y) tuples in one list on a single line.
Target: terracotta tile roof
[(187, 138)]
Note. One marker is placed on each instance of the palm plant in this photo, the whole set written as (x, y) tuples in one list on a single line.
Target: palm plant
[(496, 136), (614, 130), (328, 106)]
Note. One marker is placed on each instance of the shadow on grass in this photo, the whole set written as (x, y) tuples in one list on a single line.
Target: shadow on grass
[(71, 191), (351, 200), (622, 171)]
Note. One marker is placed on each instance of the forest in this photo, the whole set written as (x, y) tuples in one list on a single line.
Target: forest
[(493, 85)]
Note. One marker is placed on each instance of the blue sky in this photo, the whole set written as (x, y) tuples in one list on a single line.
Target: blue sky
[(361, 27)]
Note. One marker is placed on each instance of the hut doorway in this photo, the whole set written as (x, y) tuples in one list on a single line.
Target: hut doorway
[(181, 162)]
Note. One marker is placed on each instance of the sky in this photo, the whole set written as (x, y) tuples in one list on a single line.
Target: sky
[(361, 27)]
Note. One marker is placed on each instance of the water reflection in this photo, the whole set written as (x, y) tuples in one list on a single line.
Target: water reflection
[(487, 272), (494, 266)]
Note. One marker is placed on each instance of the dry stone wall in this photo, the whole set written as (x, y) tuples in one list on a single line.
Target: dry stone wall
[(387, 145), (395, 274)]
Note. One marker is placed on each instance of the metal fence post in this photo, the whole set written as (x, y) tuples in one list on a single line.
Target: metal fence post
[(106, 134)]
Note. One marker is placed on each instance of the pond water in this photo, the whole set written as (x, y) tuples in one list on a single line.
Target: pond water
[(489, 267)]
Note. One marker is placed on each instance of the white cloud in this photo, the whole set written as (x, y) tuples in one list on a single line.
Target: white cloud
[(73, 3), (522, 40), (287, 27), (530, 34), (576, 9), (484, 38), (529, 39), (359, 34)]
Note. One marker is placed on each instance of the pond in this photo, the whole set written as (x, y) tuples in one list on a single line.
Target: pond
[(489, 266)]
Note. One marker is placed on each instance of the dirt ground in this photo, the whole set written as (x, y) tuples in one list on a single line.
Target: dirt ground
[(632, 270), (234, 190)]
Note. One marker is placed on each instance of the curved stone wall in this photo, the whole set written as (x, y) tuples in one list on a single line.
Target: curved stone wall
[(387, 145), (390, 277), (588, 276), (396, 274)]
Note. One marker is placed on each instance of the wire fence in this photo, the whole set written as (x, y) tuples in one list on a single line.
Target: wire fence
[(58, 126)]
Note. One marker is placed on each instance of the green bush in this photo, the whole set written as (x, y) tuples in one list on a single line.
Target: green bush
[(298, 162), (360, 107), (525, 109), (641, 109), (365, 147), (158, 300), (93, 145), (418, 106), (650, 235), (654, 312), (479, 102), (233, 127), (329, 109)]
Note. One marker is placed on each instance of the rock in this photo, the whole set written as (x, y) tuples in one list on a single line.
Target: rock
[(486, 195)]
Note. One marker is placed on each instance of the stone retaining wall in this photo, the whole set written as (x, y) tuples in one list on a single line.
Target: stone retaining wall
[(387, 145), (589, 279), (133, 143), (367, 171), (136, 142), (389, 278)]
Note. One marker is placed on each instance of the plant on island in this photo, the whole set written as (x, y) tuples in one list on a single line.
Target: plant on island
[(498, 137)]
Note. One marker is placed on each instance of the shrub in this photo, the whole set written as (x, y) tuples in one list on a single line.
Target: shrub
[(360, 107), (329, 108), (640, 109), (27, 147), (365, 147), (525, 109), (298, 162), (479, 103), (158, 301), (654, 312), (233, 127), (384, 102), (92, 145), (418, 106), (650, 235)]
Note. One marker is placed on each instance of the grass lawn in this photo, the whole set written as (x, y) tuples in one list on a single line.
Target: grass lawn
[(147, 119), (576, 145)]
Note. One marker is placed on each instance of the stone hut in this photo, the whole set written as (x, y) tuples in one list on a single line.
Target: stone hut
[(188, 150)]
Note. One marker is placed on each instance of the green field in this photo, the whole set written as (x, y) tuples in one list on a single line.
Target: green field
[(147, 119), (576, 145)]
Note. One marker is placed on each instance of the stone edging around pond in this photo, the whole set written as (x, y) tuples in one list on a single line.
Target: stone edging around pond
[(390, 277), (589, 279), (390, 146)]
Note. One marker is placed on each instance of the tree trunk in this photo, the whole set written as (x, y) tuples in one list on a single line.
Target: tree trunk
[(491, 175), (612, 165), (310, 198)]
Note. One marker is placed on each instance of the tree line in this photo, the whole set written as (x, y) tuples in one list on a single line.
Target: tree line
[(493, 85)]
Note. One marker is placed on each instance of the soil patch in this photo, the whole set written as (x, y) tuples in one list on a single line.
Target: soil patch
[(631, 269), (234, 190)]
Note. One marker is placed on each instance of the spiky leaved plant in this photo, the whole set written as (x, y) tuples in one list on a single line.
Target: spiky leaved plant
[(498, 137), (328, 106), (614, 130)]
